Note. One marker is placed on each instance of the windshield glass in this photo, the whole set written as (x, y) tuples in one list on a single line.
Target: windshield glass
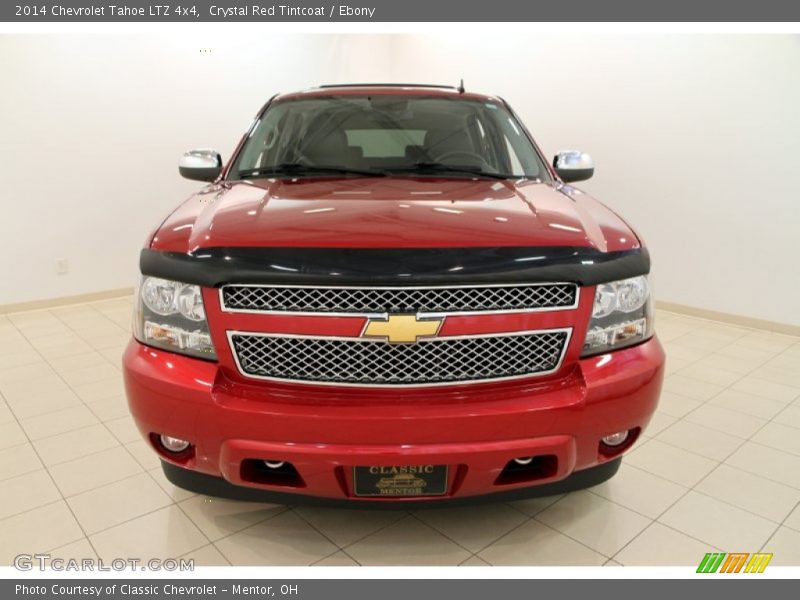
[(387, 134)]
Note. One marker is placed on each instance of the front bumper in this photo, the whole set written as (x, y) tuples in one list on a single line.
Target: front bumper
[(475, 430)]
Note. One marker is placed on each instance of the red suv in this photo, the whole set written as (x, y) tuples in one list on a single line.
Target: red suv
[(388, 295)]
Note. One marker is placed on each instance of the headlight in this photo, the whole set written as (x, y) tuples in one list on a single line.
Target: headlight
[(159, 295), (622, 316), (170, 315), (189, 302)]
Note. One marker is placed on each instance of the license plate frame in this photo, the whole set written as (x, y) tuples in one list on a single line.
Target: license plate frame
[(400, 481)]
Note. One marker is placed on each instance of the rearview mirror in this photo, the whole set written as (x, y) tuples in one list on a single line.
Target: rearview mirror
[(200, 165), (573, 165)]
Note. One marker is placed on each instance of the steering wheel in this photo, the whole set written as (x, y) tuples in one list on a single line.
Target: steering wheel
[(465, 153), (301, 158)]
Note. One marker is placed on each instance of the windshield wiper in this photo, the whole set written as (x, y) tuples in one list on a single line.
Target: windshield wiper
[(304, 169), (433, 167)]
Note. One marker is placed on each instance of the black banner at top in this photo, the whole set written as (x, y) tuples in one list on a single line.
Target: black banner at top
[(167, 11)]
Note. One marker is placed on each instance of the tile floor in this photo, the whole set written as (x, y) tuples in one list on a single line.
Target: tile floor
[(718, 469)]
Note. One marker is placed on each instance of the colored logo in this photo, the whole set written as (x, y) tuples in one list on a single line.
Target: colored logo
[(401, 484), (741, 562), (402, 329)]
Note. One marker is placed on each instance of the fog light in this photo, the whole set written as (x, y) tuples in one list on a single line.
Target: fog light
[(274, 464), (615, 439), (173, 444), (524, 461)]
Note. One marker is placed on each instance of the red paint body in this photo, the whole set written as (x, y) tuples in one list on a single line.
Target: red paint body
[(390, 212), (475, 429)]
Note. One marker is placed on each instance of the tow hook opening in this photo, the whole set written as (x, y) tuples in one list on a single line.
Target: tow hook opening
[(271, 472), (528, 468)]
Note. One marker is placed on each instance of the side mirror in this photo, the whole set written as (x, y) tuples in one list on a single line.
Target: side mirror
[(200, 165), (573, 165)]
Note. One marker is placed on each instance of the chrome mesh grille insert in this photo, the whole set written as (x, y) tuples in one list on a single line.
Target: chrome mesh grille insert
[(361, 362), (399, 300)]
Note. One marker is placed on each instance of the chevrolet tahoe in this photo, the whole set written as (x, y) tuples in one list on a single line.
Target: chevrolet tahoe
[(387, 296)]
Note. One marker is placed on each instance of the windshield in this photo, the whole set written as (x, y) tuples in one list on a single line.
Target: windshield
[(387, 134)]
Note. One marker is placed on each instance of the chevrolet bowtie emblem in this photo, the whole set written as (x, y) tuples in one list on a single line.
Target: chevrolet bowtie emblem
[(402, 329)]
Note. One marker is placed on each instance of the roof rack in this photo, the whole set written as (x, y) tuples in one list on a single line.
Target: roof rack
[(418, 85)]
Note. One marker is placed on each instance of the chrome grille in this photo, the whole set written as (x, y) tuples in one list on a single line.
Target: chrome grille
[(371, 300), (427, 362)]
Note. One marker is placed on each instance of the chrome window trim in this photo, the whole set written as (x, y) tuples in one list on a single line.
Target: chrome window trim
[(384, 315), (559, 363)]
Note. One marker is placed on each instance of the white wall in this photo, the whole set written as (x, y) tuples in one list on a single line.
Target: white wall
[(696, 140), (92, 127)]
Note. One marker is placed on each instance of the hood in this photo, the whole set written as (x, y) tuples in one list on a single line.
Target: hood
[(391, 212)]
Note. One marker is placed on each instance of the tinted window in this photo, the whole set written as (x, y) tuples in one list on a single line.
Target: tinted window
[(389, 132)]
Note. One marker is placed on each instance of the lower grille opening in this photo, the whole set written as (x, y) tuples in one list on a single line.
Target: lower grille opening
[(539, 467), (256, 471)]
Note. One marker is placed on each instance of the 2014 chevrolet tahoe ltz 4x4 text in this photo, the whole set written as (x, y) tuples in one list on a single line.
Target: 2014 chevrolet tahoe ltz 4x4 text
[(388, 295)]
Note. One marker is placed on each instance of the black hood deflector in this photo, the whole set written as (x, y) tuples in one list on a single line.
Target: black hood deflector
[(213, 267)]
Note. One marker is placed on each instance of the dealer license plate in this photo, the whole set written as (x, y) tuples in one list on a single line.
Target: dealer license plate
[(403, 480)]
